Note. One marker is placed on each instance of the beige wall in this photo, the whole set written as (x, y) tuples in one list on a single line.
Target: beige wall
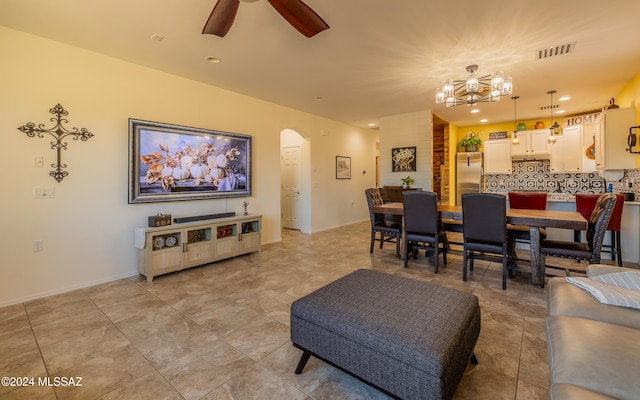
[(407, 130), (87, 229)]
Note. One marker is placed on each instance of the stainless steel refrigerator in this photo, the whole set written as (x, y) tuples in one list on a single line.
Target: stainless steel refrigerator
[(468, 174)]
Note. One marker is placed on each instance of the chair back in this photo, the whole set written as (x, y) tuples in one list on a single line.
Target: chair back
[(484, 217), (374, 199), (421, 212), (528, 200), (598, 221), (615, 221), (586, 202)]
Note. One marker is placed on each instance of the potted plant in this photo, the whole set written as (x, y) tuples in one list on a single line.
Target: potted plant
[(408, 181), (471, 142)]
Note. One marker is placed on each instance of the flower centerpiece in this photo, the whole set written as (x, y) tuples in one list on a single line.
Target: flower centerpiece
[(408, 181), (471, 142)]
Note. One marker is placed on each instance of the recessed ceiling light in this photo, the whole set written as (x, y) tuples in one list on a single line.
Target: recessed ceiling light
[(157, 37), (484, 120), (372, 124), (475, 110), (565, 98), (318, 98), (560, 112), (214, 60)]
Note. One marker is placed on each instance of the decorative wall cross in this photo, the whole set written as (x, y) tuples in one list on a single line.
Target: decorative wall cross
[(58, 132)]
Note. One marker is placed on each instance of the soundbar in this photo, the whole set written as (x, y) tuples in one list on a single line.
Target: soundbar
[(202, 217)]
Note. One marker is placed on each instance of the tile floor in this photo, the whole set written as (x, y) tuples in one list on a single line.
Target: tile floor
[(221, 331)]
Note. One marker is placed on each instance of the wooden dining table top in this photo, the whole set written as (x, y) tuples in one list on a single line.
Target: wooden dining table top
[(540, 218)]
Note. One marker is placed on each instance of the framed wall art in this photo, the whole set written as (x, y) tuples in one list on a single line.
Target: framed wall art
[(343, 167), (403, 159), (172, 162)]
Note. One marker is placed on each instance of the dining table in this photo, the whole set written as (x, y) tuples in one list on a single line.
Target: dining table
[(534, 219)]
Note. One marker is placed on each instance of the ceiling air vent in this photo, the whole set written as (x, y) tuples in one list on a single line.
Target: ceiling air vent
[(549, 107), (556, 51)]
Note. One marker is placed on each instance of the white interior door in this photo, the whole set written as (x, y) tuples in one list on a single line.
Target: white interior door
[(290, 196)]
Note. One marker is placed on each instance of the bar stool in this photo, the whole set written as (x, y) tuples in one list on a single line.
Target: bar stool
[(585, 202), (527, 201)]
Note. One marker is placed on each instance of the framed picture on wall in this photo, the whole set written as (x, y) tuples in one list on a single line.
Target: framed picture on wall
[(343, 167), (172, 162), (403, 159)]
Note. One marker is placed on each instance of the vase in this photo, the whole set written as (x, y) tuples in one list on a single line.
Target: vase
[(539, 125), (521, 127), (473, 147)]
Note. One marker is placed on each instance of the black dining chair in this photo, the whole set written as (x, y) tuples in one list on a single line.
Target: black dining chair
[(596, 229), (390, 230), (484, 230), (423, 227)]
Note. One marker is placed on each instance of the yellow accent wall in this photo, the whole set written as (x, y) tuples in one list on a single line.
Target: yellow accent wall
[(630, 97)]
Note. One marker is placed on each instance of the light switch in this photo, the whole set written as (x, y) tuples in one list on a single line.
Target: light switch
[(38, 162)]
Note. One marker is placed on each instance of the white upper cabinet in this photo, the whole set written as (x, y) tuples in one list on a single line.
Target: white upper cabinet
[(566, 153), (533, 145), (497, 156), (611, 130)]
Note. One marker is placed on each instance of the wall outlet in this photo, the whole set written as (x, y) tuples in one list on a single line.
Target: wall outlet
[(43, 192), (37, 245)]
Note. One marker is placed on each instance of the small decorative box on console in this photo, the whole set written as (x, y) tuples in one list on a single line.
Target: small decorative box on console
[(160, 220)]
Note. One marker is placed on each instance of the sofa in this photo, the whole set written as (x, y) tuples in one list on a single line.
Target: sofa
[(593, 348)]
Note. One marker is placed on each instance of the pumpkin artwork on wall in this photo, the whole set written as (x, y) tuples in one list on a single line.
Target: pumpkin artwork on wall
[(59, 133)]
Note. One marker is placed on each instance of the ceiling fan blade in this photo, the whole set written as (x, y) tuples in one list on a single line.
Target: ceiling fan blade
[(221, 18), (300, 16)]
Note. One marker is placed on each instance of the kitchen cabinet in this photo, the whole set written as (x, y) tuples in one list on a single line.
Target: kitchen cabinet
[(611, 131), (497, 156), (566, 153), (533, 145), (175, 247)]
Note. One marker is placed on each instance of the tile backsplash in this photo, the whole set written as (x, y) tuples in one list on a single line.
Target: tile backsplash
[(536, 175)]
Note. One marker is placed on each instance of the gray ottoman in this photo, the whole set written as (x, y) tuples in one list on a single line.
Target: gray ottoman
[(410, 339)]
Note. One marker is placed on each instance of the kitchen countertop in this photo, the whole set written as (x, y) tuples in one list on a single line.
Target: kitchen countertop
[(569, 198)]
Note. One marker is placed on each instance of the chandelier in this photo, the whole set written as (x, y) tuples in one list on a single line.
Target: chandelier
[(475, 89)]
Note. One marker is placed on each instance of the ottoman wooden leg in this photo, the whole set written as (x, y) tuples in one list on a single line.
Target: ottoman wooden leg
[(303, 361)]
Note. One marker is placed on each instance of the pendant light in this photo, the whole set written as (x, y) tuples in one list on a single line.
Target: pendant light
[(514, 137), (552, 131)]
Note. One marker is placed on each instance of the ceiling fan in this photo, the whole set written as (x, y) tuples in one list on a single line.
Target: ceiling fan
[(298, 14)]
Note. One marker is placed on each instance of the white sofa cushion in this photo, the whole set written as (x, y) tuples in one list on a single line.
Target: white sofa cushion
[(594, 355)]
